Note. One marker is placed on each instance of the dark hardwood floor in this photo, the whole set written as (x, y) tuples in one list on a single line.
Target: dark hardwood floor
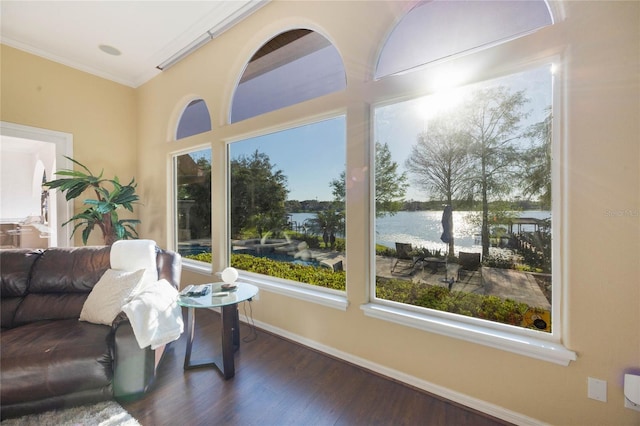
[(279, 382)]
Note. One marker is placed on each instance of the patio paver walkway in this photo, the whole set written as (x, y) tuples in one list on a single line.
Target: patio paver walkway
[(504, 283), (514, 285)]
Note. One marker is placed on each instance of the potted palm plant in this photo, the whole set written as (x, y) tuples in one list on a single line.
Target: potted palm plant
[(101, 211)]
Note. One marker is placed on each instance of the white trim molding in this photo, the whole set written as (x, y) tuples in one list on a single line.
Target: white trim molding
[(521, 344), (309, 293)]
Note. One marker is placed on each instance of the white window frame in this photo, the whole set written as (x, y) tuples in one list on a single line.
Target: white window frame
[(187, 264), (535, 344), (298, 290)]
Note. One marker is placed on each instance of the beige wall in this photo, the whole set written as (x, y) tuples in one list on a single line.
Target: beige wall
[(600, 45), (100, 114)]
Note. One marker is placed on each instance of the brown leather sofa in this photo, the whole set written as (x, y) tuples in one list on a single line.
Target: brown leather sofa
[(48, 358)]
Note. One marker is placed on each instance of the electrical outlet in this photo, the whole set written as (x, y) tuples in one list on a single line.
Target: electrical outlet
[(597, 389)]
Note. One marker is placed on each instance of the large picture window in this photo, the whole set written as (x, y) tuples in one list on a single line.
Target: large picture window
[(192, 173), (468, 230), (287, 204)]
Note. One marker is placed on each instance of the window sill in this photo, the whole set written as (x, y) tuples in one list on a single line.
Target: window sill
[(198, 267), (519, 344), (308, 293)]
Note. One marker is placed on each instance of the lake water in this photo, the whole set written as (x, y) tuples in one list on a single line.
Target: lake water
[(423, 229)]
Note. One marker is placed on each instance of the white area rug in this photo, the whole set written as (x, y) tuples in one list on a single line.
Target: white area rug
[(108, 413)]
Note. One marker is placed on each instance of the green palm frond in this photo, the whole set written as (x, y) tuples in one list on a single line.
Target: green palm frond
[(101, 211), (124, 228)]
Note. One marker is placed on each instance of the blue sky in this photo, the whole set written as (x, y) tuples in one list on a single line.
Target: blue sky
[(399, 125), (310, 156)]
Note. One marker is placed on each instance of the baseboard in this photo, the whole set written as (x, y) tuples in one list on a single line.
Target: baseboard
[(457, 397)]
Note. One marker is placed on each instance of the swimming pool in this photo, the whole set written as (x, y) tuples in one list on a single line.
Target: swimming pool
[(193, 249), (281, 257)]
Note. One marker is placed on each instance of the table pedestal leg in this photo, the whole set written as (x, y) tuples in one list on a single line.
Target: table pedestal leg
[(191, 318), (230, 341)]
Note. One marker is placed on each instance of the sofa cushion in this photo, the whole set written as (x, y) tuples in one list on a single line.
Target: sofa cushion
[(41, 307), (61, 280), (15, 266), (69, 270), (114, 289), (49, 358)]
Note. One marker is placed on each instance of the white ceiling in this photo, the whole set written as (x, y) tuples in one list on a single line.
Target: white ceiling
[(146, 33)]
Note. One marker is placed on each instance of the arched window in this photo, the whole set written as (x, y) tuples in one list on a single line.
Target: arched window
[(285, 207), (475, 161), (194, 120), (438, 29), (292, 67)]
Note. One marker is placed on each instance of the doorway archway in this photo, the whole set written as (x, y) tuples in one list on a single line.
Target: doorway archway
[(59, 209)]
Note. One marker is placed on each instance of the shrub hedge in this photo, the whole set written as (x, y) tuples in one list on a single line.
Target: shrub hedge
[(202, 257), (490, 308), (322, 277)]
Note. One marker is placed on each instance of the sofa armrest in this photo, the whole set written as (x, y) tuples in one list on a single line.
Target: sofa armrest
[(133, 368), (169, 266)]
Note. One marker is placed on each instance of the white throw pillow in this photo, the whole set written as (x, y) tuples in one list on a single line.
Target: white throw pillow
[(133, 255), (114, 289)]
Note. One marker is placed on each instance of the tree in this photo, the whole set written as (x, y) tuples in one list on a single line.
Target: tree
[(328, 223), (536, 179), (258, 193), (339, 187), (439, 162), (194, 185), (391, 185), (490, 123)]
